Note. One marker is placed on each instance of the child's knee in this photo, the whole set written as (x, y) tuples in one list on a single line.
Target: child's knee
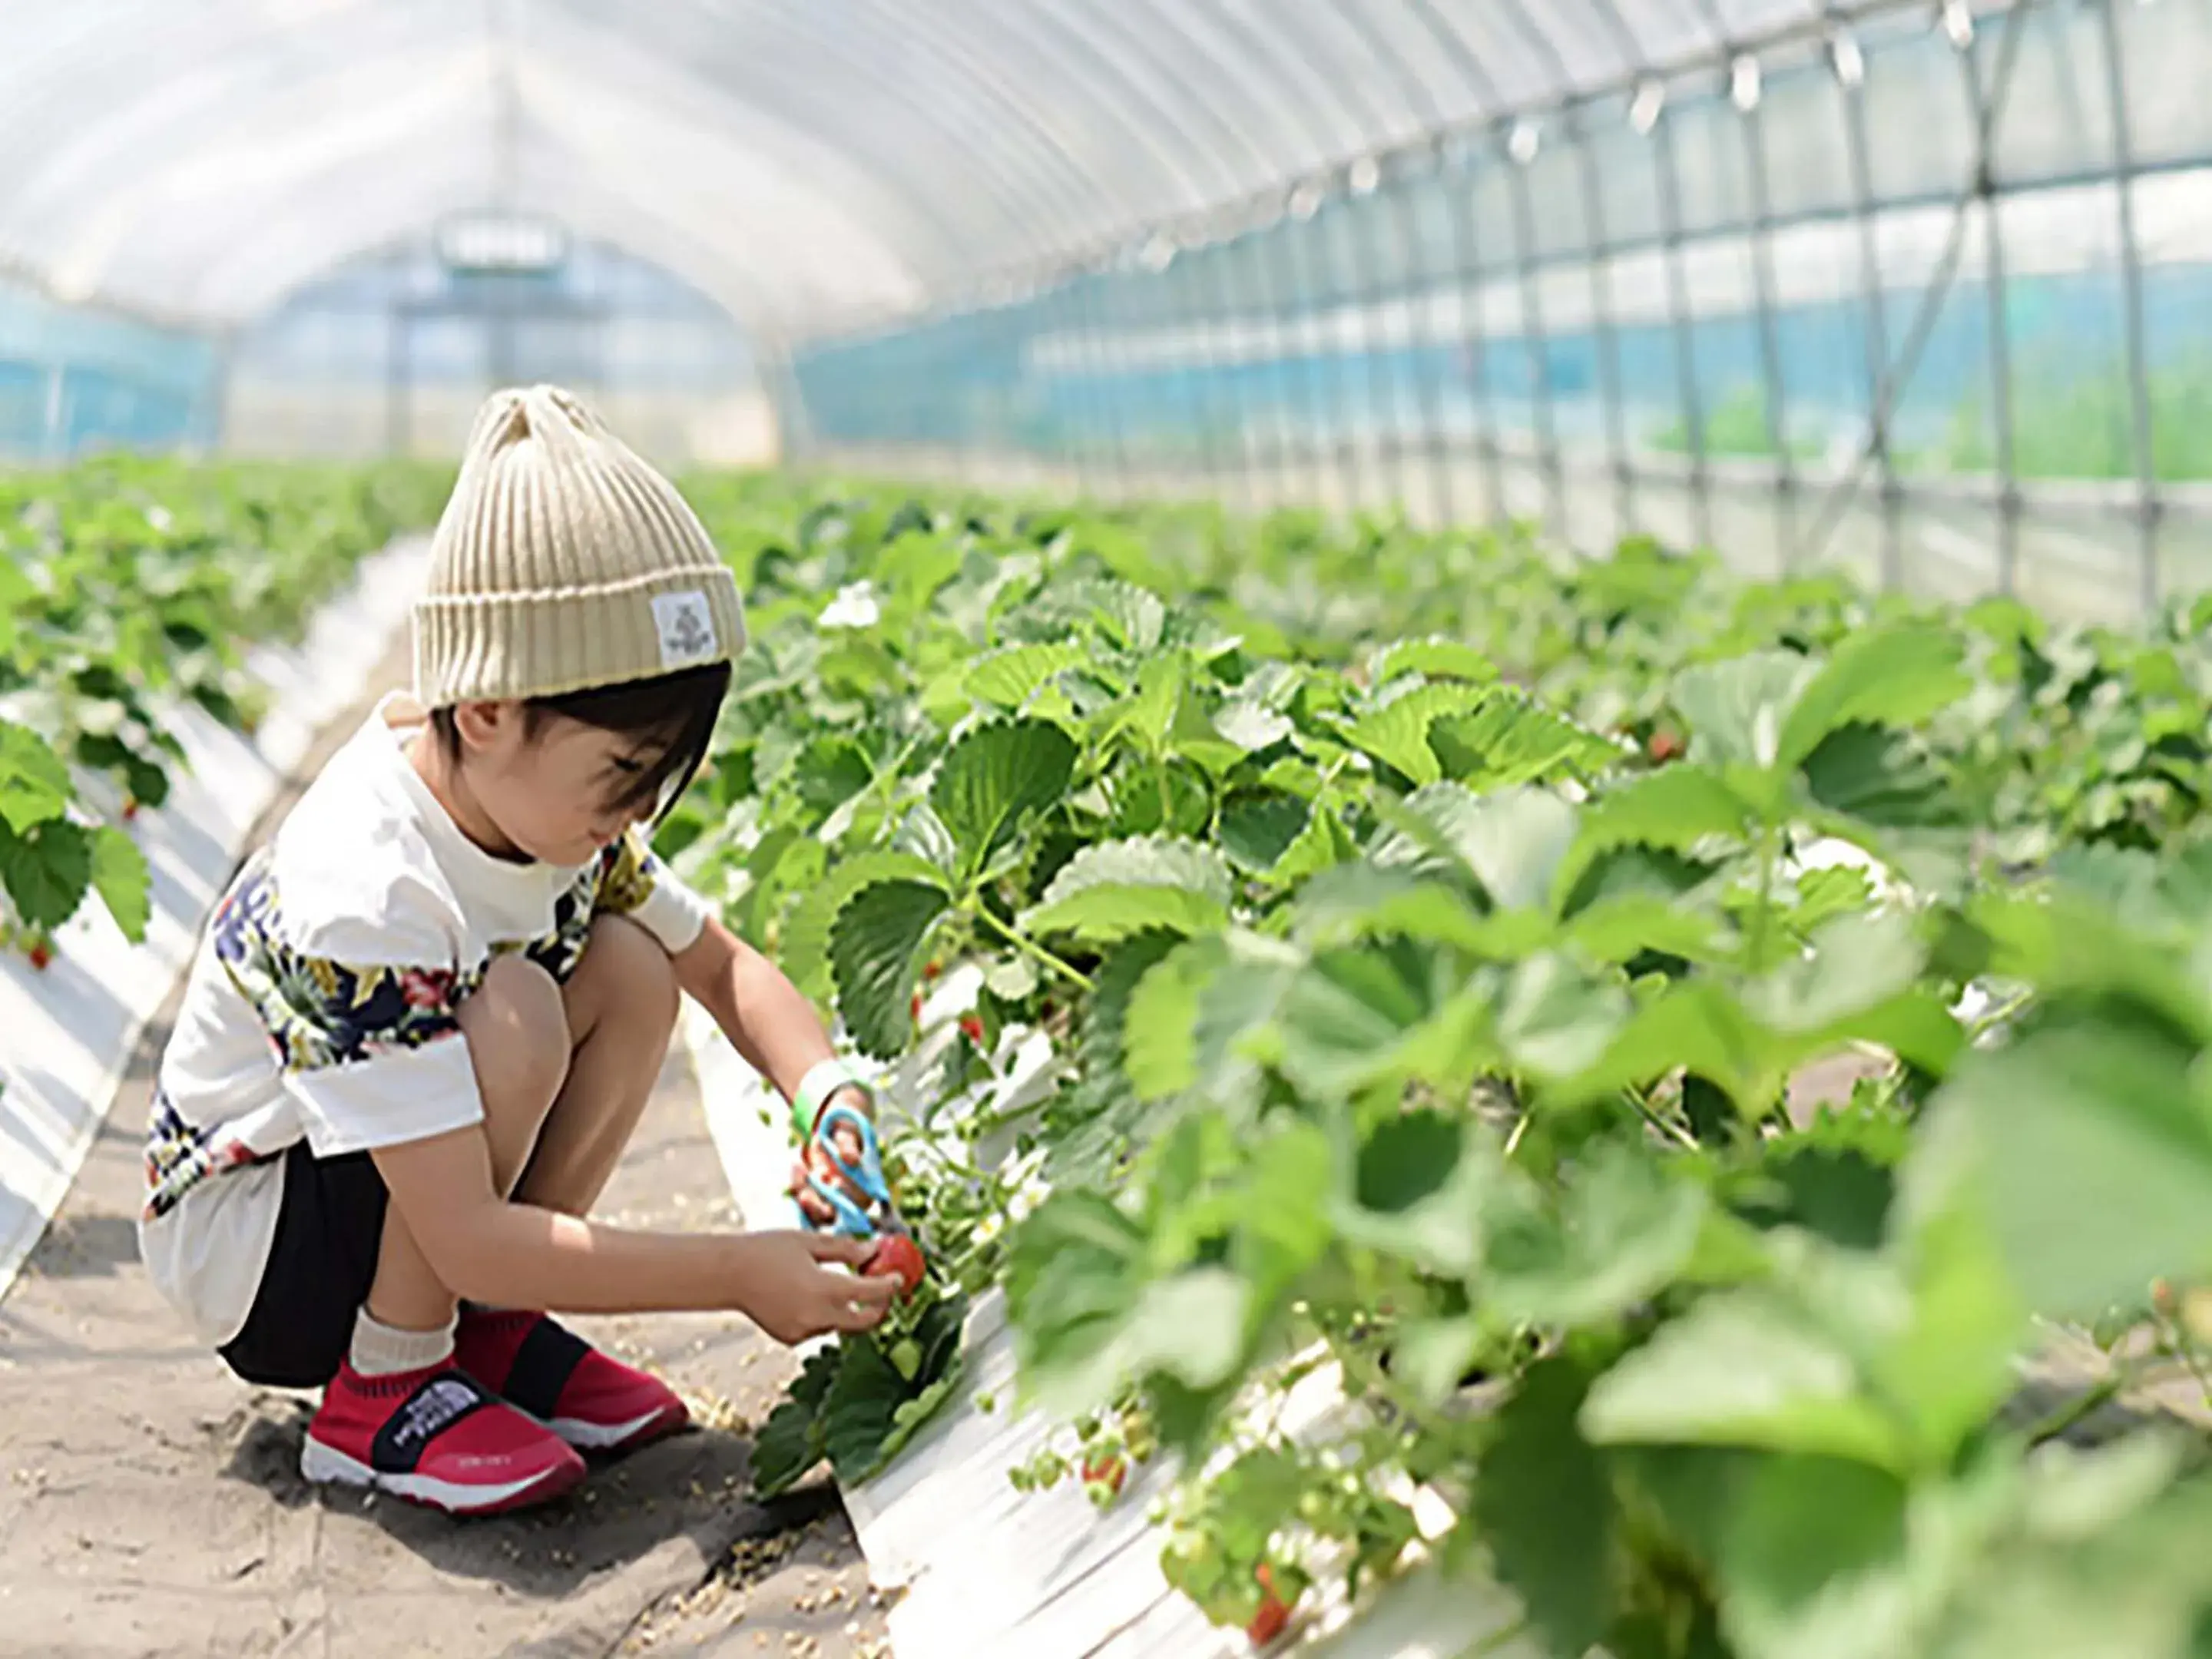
[(635, 976), (518, 1033)]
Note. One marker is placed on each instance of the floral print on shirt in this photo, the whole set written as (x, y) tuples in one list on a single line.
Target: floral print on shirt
[(320, 1012)]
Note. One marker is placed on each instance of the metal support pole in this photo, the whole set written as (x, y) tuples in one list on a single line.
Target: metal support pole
[(1683, 319), (1984, 186), (1877, 337), (2148, 502)]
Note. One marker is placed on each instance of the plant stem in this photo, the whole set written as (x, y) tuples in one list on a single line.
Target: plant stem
[(2079, 1408), (1021, 942)]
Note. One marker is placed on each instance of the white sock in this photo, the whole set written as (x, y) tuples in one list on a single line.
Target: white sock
[(381, 1349)]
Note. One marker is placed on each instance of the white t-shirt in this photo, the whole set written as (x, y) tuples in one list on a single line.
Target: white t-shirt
[(321, 1002)]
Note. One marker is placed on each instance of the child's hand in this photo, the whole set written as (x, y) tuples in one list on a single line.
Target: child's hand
[(816, 1160), (794, 1291)]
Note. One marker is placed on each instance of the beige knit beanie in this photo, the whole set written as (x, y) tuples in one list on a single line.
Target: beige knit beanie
[(564, 562)]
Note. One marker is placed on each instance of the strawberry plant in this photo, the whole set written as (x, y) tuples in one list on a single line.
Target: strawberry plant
[(1653, 1046), (124, 582)]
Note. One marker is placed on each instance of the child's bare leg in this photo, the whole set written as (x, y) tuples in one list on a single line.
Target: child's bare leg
[(518, 1043), (621, 1003)]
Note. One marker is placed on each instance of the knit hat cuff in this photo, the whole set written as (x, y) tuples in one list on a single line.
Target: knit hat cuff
[(493, 646)]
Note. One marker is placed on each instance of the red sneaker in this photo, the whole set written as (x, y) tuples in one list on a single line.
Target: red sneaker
[(592, 1402), (436, 1437)]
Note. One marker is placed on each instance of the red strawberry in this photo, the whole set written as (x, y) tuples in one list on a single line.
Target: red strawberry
[(1109, 1470), (41, 956), (933, 971), (1274, 1613), (896, 1256), (914, 1007), (1664, 746), (130, 809), (971, 1027)]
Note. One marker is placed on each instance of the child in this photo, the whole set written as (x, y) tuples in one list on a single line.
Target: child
[(426, 1018)]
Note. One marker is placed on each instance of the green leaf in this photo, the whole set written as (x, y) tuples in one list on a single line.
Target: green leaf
[(1419, 1190), (34, 784), (1735, 709), (1512, 738), (1744, 1369), (858, 1413), (1009, 678), (1896, 676), (1623, 1231), (1397, 733), (2107, 1127), (45, 870), (804, 952), (1546, 1506), (1160, 1031), (1257, 829), (120, 876), (1681, 808), (1883, 778), (1814, 1563), (790, 1443), (1088, 1313), (875, 945), (1513, 842), (1435, 657), (995, 776), (1120, 888)]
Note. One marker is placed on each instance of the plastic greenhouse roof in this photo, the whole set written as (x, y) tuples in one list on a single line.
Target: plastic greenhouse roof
[(806, 162)]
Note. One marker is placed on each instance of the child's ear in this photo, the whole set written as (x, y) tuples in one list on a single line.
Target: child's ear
[(482, 725)]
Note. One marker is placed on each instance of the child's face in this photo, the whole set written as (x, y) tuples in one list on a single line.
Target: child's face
[(555, 792)]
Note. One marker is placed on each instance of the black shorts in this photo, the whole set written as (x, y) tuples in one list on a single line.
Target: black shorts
[(321, 1264)]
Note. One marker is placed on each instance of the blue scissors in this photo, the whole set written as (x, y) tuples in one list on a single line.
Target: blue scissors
[(881, 1215)]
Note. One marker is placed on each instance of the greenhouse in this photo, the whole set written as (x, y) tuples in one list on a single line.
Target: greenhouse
[(1106, 828)]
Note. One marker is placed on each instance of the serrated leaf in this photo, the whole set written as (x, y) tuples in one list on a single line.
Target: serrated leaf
[(1397, 733), (120, 876), (875, 945), (2104, 1125), (1009, 678), (1119, 887), (45, 870), (1436, 657), (1511, 738), (1257, 829), (1251, 725), (1679, 808), (1622, 1232), (34, 784), (1897, 676), (1546, 1508), (995, 776), (790, 1443), (1813, 1563), (1159, 1031), (1736, 708), (1746, 1370), (804, 945), (1513, 842)]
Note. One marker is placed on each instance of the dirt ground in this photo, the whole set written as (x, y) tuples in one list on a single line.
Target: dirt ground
[(151, 1504)]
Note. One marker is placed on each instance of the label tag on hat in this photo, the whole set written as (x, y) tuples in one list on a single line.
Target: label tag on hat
[(687, 628)]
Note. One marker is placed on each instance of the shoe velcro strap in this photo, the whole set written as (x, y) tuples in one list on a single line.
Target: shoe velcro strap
[(435, 1405), (544, 1362)]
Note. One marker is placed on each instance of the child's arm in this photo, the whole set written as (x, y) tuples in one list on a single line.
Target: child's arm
[(511, 1254), (774, 1028)]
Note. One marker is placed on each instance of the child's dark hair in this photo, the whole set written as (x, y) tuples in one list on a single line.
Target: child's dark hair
[(680, 709)]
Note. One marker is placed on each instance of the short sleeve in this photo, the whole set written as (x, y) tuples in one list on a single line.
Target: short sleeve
[(636, 881), (362, 1010)]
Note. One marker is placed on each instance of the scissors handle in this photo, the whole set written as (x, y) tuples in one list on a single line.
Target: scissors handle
[(867, 1176)]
